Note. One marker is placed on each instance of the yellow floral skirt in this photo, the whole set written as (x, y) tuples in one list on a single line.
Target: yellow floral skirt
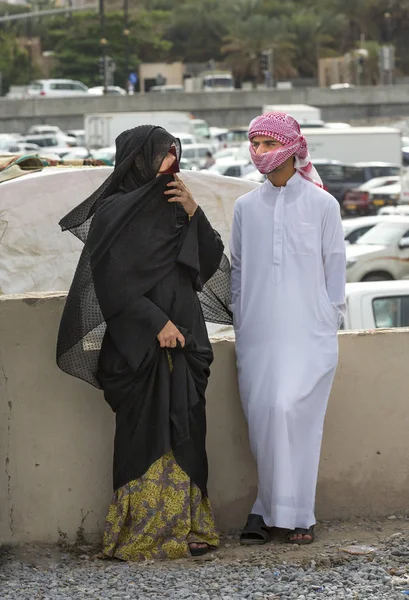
[(158, 515)]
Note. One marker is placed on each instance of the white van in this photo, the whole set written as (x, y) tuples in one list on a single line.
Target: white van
[(55, 88)]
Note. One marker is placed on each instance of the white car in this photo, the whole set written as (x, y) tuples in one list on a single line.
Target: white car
[(53, 130), (56, 88), (5, 140), (197, 153), (186, 139), (382, 253), (112, 90), (223, 153), (355, 228), (255, 176), (78, 153), (232, 168), (399, 209), (342, 86), (105, 154), (50, 143), (377, 304), (45, 130), (78, 134), (18, 147), (384, 196)]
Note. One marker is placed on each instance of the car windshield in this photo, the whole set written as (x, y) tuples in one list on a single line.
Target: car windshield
[(331, 172), (384, 234)]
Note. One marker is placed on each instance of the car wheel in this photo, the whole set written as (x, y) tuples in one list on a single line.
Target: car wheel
[(378, 276)]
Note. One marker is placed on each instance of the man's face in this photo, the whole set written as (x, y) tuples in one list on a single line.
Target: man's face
[(263, 144)]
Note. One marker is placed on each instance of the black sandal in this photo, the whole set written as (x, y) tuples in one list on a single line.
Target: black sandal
[(255, 533), (300, 531), (199, 551)]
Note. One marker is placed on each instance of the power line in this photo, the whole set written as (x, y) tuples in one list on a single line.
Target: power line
[(51, 11)]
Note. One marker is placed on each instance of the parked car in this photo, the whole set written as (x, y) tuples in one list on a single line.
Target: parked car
[(196, 153), (399, 209), (186, 139), (78, 134), (53, 130), (237, 136), (112, 90), (355, 228), (232, 168), (339, 178), (78, 153), (357, 201), (105, 154), (56, 88), (342, 86), (23, 147), (377, 304), (6, 139), (382, 253), (384, 196), (255, 176), (223, 153), (49, 143)]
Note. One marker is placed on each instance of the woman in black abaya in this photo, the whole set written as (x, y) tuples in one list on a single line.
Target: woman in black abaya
[(134, 326)]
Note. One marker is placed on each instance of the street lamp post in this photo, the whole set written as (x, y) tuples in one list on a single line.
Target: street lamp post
[(126, 38), (103, 43)]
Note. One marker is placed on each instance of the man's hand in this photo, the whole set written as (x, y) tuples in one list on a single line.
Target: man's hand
[(170, 335)]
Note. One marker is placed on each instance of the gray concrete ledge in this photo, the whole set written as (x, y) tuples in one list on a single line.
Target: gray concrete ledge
[(56, 433)]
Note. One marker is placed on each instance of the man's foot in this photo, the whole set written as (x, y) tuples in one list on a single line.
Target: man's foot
[(301, 536), (256, 532)]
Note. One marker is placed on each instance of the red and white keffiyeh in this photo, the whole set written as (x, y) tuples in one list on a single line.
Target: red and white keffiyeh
[(285, 129)]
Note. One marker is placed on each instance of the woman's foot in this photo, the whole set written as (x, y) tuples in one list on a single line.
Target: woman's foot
[(198, 548), (301, 536)]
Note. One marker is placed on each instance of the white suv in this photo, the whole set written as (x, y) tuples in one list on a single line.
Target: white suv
[(56, 88)]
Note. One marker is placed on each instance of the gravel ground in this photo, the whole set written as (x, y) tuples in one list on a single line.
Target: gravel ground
[(324, 570)]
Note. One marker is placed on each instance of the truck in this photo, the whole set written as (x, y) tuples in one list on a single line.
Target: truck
[(307, 116), (355, 144), (102, 129), (377, 305)]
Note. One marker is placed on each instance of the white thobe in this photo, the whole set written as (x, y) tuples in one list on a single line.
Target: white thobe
[(288, 287)]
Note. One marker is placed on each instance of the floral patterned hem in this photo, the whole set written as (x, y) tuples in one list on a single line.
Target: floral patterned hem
[(158, 515)]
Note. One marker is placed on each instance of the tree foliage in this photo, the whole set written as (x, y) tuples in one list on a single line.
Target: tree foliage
[(234, 32)]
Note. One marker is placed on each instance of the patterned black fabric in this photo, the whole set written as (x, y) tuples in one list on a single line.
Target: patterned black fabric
[(129, 190)]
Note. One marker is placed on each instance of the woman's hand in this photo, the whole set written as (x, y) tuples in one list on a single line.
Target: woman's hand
[(180, 193), (170, 335)]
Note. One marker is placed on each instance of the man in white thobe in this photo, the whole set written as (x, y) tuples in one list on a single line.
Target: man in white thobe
[(288, 286)]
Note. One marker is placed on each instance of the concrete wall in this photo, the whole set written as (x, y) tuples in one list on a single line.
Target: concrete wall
[(56, 433), (220, 109)]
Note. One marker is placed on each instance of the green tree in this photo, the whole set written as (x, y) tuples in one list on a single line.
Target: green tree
[(76, 44), (246, 41), (14, 61)]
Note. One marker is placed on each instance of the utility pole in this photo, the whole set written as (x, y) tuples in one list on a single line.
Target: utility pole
[(29, 33), (126, 40), (103, 44)]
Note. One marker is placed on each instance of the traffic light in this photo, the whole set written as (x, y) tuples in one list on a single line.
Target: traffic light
[(265, 61), (101, 67)]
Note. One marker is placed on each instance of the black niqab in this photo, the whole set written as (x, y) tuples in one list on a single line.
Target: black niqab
[(131, 241)]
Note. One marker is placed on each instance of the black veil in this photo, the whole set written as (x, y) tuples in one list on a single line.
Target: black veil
[(131, 187)]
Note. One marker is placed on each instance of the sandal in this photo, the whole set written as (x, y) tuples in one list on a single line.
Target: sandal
[(199, 551), (256, 532), (300, 531)]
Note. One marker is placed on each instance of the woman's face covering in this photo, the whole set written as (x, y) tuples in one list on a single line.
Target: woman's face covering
[(167, 163), (170, 163)]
